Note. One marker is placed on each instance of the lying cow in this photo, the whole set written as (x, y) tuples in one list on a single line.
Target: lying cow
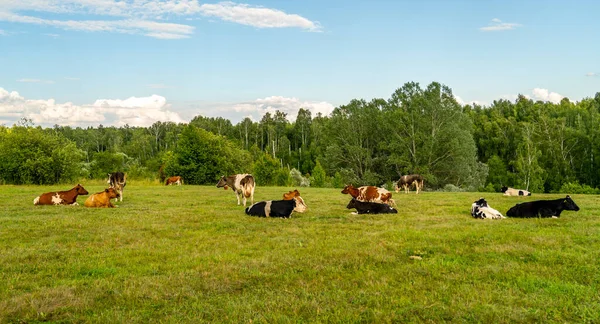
[(370, 207), (481, 209), (118, 181), (542, 208), (68, 197), (275, 208), (291, 194), (174, 180), (301, 205), (514, 192), (102, 198), (370, 194), (406, 181), (241, 184)]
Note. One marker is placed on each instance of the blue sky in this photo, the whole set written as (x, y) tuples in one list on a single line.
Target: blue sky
[(86, 62)]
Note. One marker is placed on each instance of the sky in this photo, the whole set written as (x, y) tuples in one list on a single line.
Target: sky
[(116, 62)]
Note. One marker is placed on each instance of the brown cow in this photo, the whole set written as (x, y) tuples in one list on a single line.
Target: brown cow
[(406, 181), (68, 197), (300, 204), (241, 184), (370, 194), (291, 194), (102, 198), (174, 180)]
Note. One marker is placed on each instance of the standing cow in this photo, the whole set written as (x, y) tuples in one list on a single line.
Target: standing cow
[(406, 181), (370, 194), (118, 181), (68, 197), (241, 184), (174, 180)]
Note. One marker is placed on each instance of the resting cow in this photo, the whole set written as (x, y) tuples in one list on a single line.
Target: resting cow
[(118, 181), (102, 198), (241, 184), (275, 208), (174, 180), (370, 207), (68, 197), (370, 194), (481, 209), (300, 204), (514, 192), (406, 181), (542, 208)]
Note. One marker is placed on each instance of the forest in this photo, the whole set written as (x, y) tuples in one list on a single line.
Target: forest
[(534, 145)]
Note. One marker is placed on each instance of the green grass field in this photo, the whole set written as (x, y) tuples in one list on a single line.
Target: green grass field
[(190, 254)]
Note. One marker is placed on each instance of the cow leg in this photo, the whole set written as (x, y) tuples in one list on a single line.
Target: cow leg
[(237, 195)]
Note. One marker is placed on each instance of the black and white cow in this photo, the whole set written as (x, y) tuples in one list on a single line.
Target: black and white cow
[(118, 181), (481, 209), (542, 208), (276, 208), (363, 207), (514, 192)]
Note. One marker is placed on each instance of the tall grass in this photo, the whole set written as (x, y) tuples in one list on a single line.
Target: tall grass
[(190, 254)]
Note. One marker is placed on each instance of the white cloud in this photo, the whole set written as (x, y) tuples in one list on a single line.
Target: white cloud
[(472, 102), (26, 80), (497, 25), (134, 111), (545, 95), (592, 74), (71, 78), (52, 35), (3, 33), (146, 17), (290, 106)]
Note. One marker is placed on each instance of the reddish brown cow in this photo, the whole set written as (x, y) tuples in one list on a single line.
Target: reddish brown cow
[(68, 197), (370, 194), (295, 195), (291, 195), (174, 180), (102, 198)]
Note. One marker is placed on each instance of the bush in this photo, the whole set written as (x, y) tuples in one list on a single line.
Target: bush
[(319, 177), (451, 188), (298, 180), (576, 188)]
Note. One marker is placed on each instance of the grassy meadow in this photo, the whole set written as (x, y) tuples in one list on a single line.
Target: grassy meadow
[(190, 254)]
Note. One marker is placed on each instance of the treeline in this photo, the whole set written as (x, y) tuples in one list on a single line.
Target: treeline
[(539, 146)]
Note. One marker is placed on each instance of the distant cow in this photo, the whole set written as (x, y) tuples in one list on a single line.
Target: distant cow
[(102, 198), (406, 181), (542, 208), (514, 192), (275, 208), (369, 194), (174, 180), (370, 207), (241, 184), (300, 204), (481, 209), (68, 197), (118, 181)]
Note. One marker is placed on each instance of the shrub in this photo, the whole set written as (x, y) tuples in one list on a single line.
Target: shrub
[(298, 179), (576, 188)]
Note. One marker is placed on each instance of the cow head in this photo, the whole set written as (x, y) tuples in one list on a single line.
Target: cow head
[(81, 190), (112, 193), (351, 204), (481, 202), (347, 189), (222, 182), (504, 188), (300, 205), (569, 204)]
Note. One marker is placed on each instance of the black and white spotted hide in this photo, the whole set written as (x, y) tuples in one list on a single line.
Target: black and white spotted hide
[(272, 208), (481, 209)]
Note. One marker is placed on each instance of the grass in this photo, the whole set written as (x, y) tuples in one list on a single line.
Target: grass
[(189, 254)]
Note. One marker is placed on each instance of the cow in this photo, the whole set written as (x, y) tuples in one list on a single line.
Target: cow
[(370, 207), (406, 181), (118, 181), (370, 194), (300, 204), (514, 192), (174, 180), (276, 208), (241, 184), (68, 197), (102, 198), (480, 209), (542, 208)]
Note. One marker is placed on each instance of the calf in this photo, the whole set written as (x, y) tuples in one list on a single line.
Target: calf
[(370, 194), (102, 198), (241, 184), (118, 181), (406, 181), (68, 197), (514, 192), (481, 209), (174, 180), (274, 208), (291, 194), (542, 208), (370, 207), (300, 204)]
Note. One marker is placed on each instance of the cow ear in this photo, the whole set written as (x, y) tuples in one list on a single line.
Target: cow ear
[(568, 196)]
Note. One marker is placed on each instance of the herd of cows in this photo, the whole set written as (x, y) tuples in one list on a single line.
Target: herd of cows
[(365, 199)]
